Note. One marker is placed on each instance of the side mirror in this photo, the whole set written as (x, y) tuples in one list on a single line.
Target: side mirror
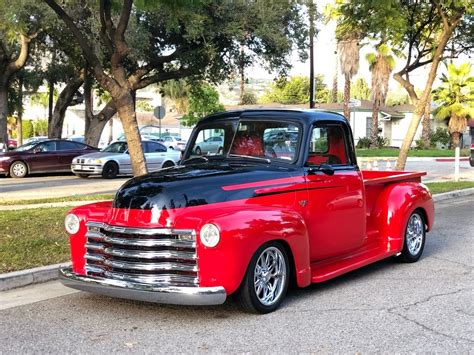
[(324, 168)]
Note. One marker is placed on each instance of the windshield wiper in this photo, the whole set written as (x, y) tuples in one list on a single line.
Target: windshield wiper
[(196, 158), (266, 160)]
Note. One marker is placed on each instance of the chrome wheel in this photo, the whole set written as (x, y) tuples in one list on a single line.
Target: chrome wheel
[(270, 276), (414, 234)]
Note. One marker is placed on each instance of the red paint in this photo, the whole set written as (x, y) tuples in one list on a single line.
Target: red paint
[(330, 224)]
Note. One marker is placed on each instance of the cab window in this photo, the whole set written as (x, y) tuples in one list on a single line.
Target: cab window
[(328, 145)]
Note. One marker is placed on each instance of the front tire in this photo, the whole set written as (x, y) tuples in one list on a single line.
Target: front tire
[(167, 164), (415, 236), (18, 169), (266, 280), (110, 170), (197, 151)]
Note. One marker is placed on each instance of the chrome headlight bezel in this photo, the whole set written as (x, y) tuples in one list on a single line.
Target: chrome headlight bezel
[(72, 223), (210, 235)]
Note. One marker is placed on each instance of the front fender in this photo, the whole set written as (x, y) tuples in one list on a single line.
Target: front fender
[(393, 207), (242, 233)]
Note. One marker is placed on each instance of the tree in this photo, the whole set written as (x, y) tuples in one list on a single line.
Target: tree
[(19, 25), (455, 99), (360, 90), (422, 29), (203, 101), (381, 65), (348, 49), (178, 92), (169, 40), (295, 90)]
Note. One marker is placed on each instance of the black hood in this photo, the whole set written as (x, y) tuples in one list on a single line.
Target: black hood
[(192, 185)]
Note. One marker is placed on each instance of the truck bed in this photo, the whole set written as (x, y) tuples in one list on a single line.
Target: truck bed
[(374, 177)]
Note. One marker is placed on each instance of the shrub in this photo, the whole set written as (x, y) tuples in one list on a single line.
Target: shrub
[(441, 136), (420, 144), (248, 98), (363, 143), (382, 142)]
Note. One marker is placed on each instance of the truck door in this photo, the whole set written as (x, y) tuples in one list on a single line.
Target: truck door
[(335, 213)]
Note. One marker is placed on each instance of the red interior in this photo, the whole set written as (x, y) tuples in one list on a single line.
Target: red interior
[(248, 145)]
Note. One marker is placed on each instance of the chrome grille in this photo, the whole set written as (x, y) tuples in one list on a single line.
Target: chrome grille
[(144, 255)]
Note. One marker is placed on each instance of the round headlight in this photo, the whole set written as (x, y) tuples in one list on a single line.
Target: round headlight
[(210, 235), (72, 223)]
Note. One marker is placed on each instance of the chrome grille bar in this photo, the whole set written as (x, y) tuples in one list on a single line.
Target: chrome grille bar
[(151, 256)]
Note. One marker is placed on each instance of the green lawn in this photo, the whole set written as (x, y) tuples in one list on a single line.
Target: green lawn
[(391, 152), (439, 187), (57, 199), (31, 238)]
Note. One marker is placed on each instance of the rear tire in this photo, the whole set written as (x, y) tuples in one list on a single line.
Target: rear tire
[(110, 170), (266, 280), (197, 151), (18, 169), (415, 236)]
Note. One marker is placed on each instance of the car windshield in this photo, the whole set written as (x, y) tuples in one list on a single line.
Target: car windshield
[(117, 147), (26, 147), (269, 140)]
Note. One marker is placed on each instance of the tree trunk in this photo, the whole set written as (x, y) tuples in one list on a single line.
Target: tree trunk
[(55, 128), (128, 117), (455, 138), (375, 124), (334, 83), (242, 83), (19, 119), (3, 117), (88, 103), (98, 122), (347, 96), (426, 124), (50, 104), (111, 130), (421, 103)]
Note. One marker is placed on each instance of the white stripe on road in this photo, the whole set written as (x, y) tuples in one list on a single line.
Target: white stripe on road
[(32, 294)]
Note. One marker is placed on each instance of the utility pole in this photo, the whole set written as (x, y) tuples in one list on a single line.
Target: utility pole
[(311, 11)]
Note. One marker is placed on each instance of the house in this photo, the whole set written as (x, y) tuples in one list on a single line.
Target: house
[(393, 120)]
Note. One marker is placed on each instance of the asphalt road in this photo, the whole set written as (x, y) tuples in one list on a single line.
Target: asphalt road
[(385, 307), (66, 185)]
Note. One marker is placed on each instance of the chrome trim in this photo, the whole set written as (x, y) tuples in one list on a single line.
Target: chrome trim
[(163, 279), (141, 231), (94, 246), (142, 242), (144, 254), (196, 296), (167, 266)]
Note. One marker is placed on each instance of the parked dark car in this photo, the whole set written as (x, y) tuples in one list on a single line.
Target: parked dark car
[(471, 158), (40, 157)]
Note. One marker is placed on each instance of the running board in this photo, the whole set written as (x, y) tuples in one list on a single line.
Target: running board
[(330, 268)]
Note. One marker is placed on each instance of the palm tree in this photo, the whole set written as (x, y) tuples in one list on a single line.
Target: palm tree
[(381, 65), (455, 97), (177, 91), (348, 49)]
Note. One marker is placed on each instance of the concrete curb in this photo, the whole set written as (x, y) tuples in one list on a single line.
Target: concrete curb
[(453, 194), (26, 277), (47, 204)]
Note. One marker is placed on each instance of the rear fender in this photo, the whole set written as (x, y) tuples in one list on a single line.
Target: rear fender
[(393, 207)]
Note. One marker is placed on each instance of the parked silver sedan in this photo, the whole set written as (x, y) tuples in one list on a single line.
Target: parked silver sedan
[(115, 160)]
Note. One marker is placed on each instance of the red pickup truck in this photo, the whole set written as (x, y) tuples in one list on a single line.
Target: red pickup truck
[(278, 198)]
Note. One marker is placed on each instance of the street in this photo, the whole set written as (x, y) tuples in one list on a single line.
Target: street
[(385, 307), (65, 185)]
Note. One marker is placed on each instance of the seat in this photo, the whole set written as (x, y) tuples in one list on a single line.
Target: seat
[(247, 145)]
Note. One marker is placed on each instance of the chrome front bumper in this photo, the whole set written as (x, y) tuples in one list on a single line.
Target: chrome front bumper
[(196, 296)]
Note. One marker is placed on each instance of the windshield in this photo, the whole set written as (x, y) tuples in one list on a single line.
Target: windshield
[(117, 147), (274, 140), (25, 147)]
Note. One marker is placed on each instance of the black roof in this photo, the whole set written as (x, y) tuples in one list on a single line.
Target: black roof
[(307, 115)]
